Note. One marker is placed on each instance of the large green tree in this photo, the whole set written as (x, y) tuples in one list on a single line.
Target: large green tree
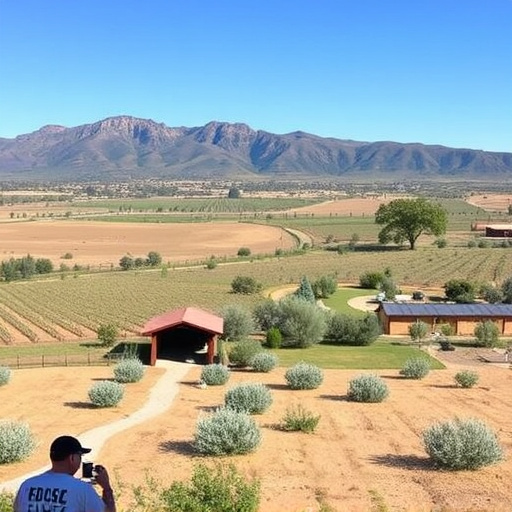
[(407, 219)]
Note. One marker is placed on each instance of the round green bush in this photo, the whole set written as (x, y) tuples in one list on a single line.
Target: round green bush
[(304, 376), (16, 441), (415, 368), (367, 388), (5, 375), (462, 444), (106, 393), (273, 338), (226, 432), (264, 362), (242, 352), (248, 397), (215, 374), (466, 378), (129, 370)]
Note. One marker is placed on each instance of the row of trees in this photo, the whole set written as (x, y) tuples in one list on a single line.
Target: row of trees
[(24, 268), (465, 292), (153, 259)]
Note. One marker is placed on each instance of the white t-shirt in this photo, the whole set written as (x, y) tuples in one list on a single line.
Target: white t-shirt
[(57, 492)]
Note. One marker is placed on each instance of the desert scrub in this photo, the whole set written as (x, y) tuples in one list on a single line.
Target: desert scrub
[(299, 419), (215, 374), (462, 444), (16, 441), (6, 501), (466, 378), (415, 368), (106, 393), (249, 397), (226, 432), (242, 352), (264, 362), (304, 376), (129, 370), (5, 375), (367, 388), (219, 488)]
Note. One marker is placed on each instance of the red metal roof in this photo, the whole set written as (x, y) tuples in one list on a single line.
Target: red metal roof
[(192, 317)]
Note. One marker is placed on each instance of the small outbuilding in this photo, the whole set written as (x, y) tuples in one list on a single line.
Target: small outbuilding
[(498, 231), (396, 318), (185, 334)]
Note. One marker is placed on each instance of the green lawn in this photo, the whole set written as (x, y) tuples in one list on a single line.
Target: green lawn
[(383, 354), (338, 301)]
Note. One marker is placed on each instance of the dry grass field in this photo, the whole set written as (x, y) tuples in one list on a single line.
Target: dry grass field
[(104, 243), (363, 457)]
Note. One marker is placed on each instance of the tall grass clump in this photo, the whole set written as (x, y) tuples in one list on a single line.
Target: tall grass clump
[(415, 368), (5, 375), (264, 362), (219, 488), (462, 444), (242, 352), (106, 393), (466, 378), (249, 397), (226, 432), (6, 501), (129, 370), (299, 419), (215, 374), (16, 441), (304, 376), (367, 388)]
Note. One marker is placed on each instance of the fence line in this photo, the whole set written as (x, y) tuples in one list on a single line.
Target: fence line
[(48, 361)]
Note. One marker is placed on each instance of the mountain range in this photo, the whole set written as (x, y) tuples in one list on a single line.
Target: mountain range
[(124, 147)]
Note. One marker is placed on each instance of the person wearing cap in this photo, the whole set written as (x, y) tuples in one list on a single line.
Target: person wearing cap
[(57, 490)]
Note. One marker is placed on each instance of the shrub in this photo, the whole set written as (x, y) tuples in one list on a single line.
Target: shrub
[(487, 333), (129, 370), (245, 285), (211, 263), (154, 259), (242, 352), (107, 334), (441, 243), (301, 323), (264, 362), (415, 368), (471, 243), (244, 251), (460, 290), (466, 378), (491, 294), (5, 375), (238, 322), (371, 280), (367, 388), (447, 329), (273, 338), (267, 314), (462, 444), (298, 419), (16, 441), (304, 376), (249, 397), (506, 290), (389, 287), (215, 374), (106, 393), (226, 432), (324, 287), (418, 331), (219, 488), (6, 501), (343, 329)]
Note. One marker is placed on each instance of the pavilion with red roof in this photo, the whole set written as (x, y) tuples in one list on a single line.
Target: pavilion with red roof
[(184, 334)]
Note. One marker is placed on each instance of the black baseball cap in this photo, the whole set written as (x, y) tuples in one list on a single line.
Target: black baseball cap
[(64, 446)]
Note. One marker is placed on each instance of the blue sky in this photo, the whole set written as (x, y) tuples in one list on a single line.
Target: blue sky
[(431, 71)]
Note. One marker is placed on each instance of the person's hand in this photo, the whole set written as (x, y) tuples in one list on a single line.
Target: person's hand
[(102, 478)]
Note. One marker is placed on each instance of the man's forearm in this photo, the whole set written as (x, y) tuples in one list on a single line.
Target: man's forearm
[(109, 500)]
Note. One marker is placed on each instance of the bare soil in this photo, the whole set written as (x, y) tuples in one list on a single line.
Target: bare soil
[(491, 202), (103, 243), (363, 457)]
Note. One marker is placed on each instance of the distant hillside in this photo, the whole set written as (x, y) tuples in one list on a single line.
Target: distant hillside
[(119, 148)]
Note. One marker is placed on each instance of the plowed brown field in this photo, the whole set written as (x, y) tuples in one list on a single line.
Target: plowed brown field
[(491, 202), (103, 243), (363, 457)]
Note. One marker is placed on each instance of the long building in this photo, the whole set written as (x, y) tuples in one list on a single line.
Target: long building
[(396, 318)]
